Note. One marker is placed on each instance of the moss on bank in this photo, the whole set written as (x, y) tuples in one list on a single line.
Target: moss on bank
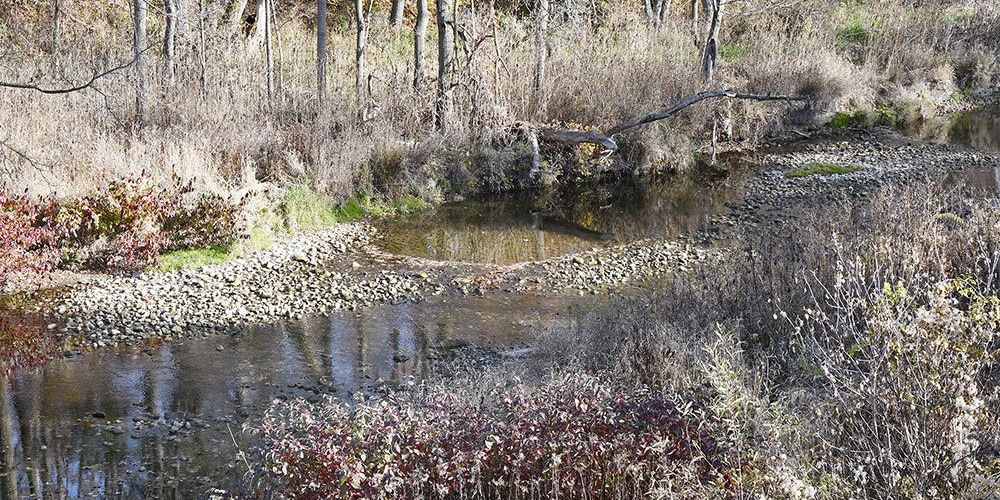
[(301, 209)]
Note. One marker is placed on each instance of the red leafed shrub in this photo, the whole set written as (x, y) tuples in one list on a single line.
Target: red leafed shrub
[(120, 228), (29, 235), (124, 206), (574, 436)]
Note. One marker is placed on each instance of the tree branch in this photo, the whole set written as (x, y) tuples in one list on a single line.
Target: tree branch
[(694, 99), (607, 139), (93, 79)]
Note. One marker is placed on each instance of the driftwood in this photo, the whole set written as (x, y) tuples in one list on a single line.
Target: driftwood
[(606, 139)]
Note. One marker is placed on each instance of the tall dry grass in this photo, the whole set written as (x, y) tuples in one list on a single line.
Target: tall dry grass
[(605, 65)]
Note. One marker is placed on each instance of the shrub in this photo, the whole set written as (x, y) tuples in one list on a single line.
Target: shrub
[(902, 407), (29, 236), (572, 436)]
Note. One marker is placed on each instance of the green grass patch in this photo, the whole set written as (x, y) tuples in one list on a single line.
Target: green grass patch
[(882, 114), (304, 209), (818, 168), (854, 31), (734, 51), (197, 257)]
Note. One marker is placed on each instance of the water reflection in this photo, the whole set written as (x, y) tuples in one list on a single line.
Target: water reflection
[(977, 129), (156, 422), (518, 229)]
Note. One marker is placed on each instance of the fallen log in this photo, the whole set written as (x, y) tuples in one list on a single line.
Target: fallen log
[(568, 136)]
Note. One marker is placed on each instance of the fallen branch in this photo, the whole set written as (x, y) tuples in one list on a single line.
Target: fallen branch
[(607, 139), (75, 88), (576, 137)]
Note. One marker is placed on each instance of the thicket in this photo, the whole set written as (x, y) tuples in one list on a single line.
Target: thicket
[(849, 354), (213, 119)]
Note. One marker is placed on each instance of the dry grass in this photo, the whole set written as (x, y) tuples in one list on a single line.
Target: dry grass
[(602, 68)]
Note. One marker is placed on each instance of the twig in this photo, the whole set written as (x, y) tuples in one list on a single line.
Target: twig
[(238, 449), (87, 84)]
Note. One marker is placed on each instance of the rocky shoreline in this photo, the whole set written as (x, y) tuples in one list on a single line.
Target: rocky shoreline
[(341, 269)]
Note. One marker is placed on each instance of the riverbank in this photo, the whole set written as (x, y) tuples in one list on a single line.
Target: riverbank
[(341, 268)]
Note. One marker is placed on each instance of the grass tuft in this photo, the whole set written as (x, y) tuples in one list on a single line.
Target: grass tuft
[(197, 257)]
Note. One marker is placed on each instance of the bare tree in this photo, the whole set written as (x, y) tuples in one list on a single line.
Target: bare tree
[(56, 20), (268, 28), (170, 8), (711, 51), (396, 14), (139, 50), (321, 48), (695, 29), (202, 58), (446, 47), (235, 16), (657, 10), (361, 19), (541, 53), (419, 39)]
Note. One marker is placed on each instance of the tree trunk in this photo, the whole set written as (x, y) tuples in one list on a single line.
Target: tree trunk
[(268, 52), (321, 48), (711, 52), (419, 39), (541, 54), (236, 9), (663, 11), (260, 26), (695, 28), (359, 52), (202, 59), (396, 15), (446, 47), (139, 51), (169, 40), (56, 15)]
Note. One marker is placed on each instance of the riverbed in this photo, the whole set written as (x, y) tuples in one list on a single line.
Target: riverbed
[(164, 418)]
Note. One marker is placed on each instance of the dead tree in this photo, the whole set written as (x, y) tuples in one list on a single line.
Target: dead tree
[(709, 58), (446, 47), (202, 57), (541, 53), (139, 51), (396, 14), (268, 50), (170, 8), (235, 16), (711, 52), (321, 49), (606, 139), (362, 19), (56, 20), (419, 39)]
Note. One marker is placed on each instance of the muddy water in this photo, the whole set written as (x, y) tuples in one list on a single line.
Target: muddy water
[(518, 229), (156, 422)]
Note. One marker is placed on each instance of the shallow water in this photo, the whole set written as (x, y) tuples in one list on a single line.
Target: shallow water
[(519, 229), (976, 129), (156, 422), (166, 421)]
